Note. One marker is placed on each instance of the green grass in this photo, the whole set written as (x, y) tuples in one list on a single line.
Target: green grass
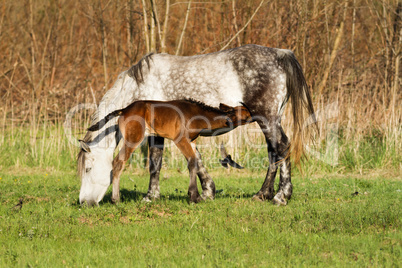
[(323, 224)]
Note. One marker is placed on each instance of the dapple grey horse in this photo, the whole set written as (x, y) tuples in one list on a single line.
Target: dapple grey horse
[(262, 78)]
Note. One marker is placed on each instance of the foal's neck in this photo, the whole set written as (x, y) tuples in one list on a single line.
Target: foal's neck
[(217, 120)]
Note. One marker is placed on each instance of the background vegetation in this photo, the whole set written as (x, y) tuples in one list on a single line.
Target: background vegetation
[(57, 54)]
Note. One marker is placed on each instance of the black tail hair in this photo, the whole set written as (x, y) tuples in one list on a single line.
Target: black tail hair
[(103, 122), (299, 95)]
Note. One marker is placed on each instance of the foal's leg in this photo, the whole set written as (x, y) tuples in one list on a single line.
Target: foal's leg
[(207, 184), (132, 140), (155, 164), (118, 165), (188, 151)]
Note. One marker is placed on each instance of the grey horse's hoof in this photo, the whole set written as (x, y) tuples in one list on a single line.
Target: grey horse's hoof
[(151, 196), (207, 196), (279, 199), (146, 199), (258, 198)]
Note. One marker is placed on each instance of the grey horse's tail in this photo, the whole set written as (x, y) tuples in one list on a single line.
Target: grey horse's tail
[(103, 122), (300, 98)]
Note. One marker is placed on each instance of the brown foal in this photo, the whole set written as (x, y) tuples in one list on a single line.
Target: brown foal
[(181, 121)]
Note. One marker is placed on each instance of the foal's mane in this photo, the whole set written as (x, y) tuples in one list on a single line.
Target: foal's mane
[(205, 106), (136, 71)]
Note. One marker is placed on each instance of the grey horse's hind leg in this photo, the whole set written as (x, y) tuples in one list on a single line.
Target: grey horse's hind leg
[(207, 184), (285, 188), (156, 145), (277, 144), (267, 189)]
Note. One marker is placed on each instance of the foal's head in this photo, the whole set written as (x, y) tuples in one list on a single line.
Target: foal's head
[(239, 115)]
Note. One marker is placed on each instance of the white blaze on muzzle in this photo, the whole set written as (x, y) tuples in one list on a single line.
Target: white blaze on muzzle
[(96, 175)]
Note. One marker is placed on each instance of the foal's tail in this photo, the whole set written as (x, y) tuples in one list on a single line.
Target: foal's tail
[(300, 98), (103, 122)]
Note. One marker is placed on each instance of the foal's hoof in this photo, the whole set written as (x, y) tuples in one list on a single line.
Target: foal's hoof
[(279, 199), (207, 196), (208, 191)]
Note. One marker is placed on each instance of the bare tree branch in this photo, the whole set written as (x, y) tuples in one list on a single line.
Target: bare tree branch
[(184, 28), (153, 33), (146, 35), (244, 27), (334, 52), (235, 21), (156, 18), (154, 21), (165, 23)]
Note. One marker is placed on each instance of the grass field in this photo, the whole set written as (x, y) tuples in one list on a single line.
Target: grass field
[(323, 224)]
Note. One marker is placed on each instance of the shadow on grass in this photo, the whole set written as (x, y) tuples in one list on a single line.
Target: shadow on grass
[(136, 196), (127, 196)]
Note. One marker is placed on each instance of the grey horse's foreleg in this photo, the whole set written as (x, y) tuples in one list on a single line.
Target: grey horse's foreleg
[(156, 145), (207, 184)]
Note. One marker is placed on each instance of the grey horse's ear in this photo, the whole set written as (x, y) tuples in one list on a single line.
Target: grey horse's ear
[(84, 146), (225, 108)]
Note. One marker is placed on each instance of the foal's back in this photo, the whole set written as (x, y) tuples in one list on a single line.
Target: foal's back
[(168, 119)]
